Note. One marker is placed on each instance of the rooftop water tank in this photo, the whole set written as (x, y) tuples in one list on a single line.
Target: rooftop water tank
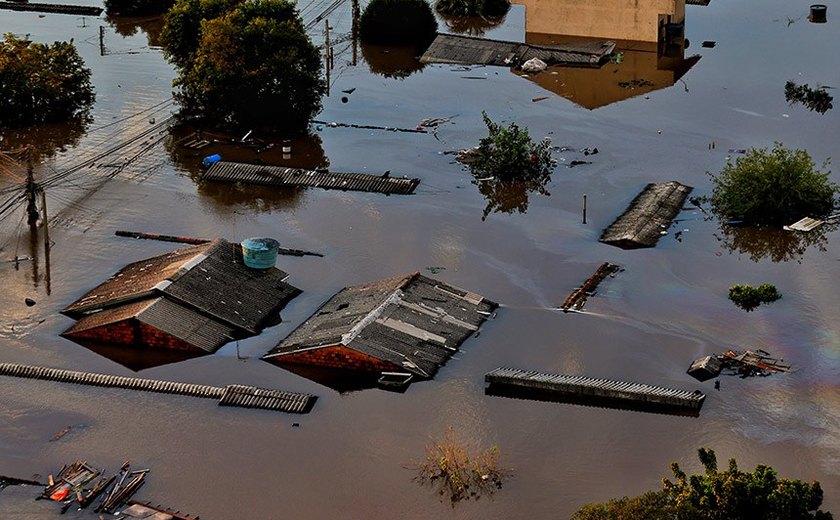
[(260, 253)]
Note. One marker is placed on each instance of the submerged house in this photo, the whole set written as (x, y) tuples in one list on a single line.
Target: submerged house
[(407, 325), (192, 299)]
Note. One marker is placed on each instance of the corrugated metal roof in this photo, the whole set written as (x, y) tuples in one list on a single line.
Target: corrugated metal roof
[(412, 321), (648, 216), (210, 279), (134, 281), (232, 172), (263, 398), (468, 50), (222, 286)]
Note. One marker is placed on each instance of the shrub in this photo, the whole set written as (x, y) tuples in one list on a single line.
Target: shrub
[(41, 83), (483, 8), (772, 187), (254, 66), (398, 22), (748, 297), (509, 154), (459, 474), (717, 495)]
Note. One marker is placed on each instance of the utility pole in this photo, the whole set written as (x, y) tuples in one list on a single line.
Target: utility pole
[(102, 40), (327, 52), (31, 190), (355, 31), (45, 222)]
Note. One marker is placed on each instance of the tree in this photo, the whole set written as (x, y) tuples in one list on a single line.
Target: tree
[(773, 187), (509, 154), (253, 65), (717, 495), (748, 297), (41, 83), (398, 22)]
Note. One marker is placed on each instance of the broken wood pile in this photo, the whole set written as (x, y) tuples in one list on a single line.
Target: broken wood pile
[(80, 10), (577, 299), (648, 216), (72, 487), (737, 363)]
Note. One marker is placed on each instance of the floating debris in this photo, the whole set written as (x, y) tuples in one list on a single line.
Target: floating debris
[(737, 363), (577, 299)]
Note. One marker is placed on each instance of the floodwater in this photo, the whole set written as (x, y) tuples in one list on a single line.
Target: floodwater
[(347, 459)]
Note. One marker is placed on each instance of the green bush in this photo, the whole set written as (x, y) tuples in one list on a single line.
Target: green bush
[(773, 187), (509, 154), (398, 22), (748, 297), (253, 66), (815, 99), (483, 8), (717, 495), (41, 83)]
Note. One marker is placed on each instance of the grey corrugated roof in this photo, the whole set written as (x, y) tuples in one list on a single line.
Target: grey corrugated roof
[(411, 321), (648, 216), (232, 172), (222, 286), (468, 50)]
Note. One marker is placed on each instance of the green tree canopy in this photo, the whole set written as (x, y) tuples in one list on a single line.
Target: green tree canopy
[(398, 22), (253, 64), (774, 187), (41, 83), (731, 494), (491, 8)]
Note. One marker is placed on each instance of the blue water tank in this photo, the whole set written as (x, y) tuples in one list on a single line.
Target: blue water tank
[(210, 159), (260, 253)]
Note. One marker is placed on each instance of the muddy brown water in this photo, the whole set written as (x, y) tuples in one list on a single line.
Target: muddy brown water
[(347, 458)]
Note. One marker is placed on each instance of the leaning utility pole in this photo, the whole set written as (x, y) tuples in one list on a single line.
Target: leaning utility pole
[(355, 31)]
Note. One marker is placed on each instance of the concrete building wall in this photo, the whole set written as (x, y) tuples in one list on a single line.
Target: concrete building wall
[(607, 19)]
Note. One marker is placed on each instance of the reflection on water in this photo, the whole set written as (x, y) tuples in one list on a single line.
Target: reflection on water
[(471, 25), (137, 359), (127, 26), (774, 244), (510, 196), (392, 62), (339, 380), (45, 140)]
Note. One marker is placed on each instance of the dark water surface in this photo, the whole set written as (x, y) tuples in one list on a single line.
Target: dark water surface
[(347, 459)]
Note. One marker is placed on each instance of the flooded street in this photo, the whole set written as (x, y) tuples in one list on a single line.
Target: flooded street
[(348, 457)]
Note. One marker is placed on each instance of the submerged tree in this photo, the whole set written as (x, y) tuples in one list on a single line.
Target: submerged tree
[(717, 495), (398, 22), (772, 187), (815, 99), (772, 243), (749, 298), (244, 65), (508, 165), (41, 83)]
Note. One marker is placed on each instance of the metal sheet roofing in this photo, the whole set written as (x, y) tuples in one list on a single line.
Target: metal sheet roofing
[(648, 216), (467, 50), (411, 321), (209, 280), (232, 172)]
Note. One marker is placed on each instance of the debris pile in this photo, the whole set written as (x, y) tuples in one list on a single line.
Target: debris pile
[(747, 363), (74, 484)]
